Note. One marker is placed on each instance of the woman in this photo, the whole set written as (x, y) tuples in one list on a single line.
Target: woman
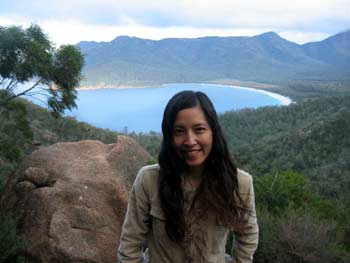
[(183, 209)]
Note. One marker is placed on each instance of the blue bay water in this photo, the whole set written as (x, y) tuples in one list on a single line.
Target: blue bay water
[(141, 109)]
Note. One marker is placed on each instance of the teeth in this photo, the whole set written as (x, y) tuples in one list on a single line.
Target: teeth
[(192, 150)]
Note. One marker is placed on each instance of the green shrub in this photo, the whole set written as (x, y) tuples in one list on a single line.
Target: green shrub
[(5, 170), (279, 191), (297, 237), (11, 245)]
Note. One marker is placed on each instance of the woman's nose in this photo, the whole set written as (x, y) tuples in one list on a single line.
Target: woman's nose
[(190, 139)]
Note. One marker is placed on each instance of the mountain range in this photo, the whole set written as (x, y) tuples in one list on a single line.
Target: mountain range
[(262, 58)]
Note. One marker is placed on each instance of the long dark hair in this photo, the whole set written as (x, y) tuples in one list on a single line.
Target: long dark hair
[(219, 187)]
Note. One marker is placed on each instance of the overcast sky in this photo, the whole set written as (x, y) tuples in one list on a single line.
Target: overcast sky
[(71, 21)]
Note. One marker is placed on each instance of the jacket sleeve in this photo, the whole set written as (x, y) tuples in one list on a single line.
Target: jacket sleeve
[(135, 228), (247, 240)]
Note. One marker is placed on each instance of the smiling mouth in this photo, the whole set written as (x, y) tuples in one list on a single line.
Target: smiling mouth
[(191, 153)]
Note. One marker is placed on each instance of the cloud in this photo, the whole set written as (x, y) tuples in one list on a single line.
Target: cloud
[(74, 20), (73, 31), (199, 13)]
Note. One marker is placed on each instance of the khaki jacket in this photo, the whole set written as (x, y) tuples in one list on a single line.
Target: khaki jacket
[(144, 204)]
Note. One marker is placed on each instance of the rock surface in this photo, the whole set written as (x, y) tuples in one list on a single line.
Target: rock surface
[(71, 199)]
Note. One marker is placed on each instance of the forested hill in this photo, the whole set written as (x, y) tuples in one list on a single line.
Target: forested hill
[(311, 138), (263, 58)]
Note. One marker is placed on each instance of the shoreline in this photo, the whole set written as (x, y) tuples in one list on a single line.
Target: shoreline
[(284, 100)]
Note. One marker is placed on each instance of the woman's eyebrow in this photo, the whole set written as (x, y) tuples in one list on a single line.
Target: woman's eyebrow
[(201, 124)]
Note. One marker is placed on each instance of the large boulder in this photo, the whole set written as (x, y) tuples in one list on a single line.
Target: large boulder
[(71, 199)]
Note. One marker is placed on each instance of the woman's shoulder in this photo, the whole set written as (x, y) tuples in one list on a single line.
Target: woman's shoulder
[(148, 175), (147, 180), (245, 180), (149, 171)]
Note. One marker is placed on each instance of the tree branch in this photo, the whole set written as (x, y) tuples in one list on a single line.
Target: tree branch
[(2, 80), (42, 93), (274, 180), (21, 93), (38, 99), (11, 84)]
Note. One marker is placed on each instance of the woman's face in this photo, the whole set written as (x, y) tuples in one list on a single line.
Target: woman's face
[(192, 136)]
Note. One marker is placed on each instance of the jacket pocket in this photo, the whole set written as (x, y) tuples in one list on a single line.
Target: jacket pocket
[(218, 238), (158, 224), (162, 245)]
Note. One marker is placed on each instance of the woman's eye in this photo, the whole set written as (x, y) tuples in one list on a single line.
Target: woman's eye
[(178, 131), (200, 129)]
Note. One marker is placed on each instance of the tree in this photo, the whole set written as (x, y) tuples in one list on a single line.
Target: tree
[(279, 191), (28, 57)]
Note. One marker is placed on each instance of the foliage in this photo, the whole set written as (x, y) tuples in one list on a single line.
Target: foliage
[(28, 58), (296, 224), (300, 90), (296, 237), (310, 137), (15, 138), (48, 129), (14, 129), (248, 126), (5, 170), (150, 141), (277, 192), (11, 245)]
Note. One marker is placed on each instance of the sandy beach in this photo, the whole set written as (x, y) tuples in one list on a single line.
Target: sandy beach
[(283, 99)]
